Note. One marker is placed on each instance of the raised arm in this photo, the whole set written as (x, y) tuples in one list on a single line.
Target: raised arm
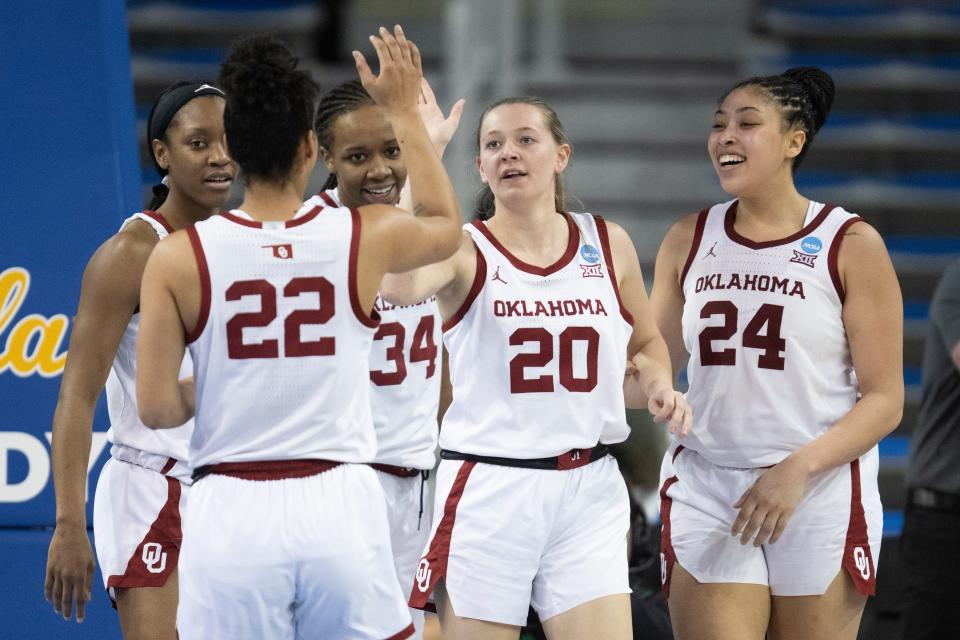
[(395, 242), (169, 301), (647, 383), (108, 297)]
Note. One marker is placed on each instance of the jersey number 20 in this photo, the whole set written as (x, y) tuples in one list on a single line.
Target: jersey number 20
[(519, 383)]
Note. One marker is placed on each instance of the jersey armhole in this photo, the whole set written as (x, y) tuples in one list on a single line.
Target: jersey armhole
[(695, 245), (478, 279), (371, 319), (204, 313), (833, 257), (608, 257)]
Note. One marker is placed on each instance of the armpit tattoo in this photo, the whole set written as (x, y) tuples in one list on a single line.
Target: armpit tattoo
[(851, 233)]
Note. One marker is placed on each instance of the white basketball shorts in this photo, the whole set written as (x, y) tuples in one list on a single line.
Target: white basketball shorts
[(137, 525), (409, 507), (505, 538), (295, 558), (837, 524)]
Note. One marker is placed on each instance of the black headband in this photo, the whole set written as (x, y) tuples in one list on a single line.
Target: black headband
[(167, 106)]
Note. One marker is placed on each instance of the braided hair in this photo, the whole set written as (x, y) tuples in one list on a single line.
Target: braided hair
[(269, 108), (803, 96), (343, 99)]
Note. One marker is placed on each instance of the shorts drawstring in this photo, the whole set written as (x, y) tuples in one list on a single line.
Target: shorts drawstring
[(423, 481)]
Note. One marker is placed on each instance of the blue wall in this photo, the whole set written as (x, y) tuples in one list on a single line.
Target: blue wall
[(69, 174)]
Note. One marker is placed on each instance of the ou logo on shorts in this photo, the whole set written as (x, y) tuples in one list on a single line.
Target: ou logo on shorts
[(423, 575), (154, 557), (863, 563), (663, 568)]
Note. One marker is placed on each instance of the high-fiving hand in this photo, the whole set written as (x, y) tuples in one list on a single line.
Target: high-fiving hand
[(440, 128), (397, 87)]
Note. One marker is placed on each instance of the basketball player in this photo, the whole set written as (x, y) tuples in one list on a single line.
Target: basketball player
[(361, 152), (285, 537), (541, 309), (142, 488), (791, 315)]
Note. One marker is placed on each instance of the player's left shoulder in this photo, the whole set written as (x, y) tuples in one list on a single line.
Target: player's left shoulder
[(860, 240)]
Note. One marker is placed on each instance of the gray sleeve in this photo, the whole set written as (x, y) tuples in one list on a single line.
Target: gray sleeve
[(945, 306)]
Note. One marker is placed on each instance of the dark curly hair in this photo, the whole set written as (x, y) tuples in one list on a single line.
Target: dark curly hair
[(341, 100), (803, 95), (269, 106)]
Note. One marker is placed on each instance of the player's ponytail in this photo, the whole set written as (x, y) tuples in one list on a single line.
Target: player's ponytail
[(269, 109), (485, 205)]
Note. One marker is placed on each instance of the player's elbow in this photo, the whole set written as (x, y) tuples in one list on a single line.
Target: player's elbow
[(156, 414), (399, 288)]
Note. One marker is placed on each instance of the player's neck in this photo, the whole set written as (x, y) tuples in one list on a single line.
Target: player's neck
[(269, 201), (771, 211), (538, 236), (181, 212)]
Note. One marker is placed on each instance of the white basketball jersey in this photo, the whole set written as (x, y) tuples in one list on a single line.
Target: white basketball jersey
[(126, 430), (537, 355), (770, 367), (405, 371), (280, 350)]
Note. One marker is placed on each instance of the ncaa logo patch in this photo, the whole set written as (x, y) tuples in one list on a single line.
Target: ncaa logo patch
[(811, 244), (589, 253)]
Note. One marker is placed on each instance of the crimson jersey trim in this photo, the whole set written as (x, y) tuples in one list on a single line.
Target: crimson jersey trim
[(834, 254), (573, 241), (204, 270), (326, 198), (242, 221), (608, 257), (731, 216), (305, 218), (156, 215), (478, 279), (695, 245), (288, 224), (372, 319)]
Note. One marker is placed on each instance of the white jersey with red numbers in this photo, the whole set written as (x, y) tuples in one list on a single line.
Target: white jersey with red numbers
[(132, 441), (405, 378), (537, 355), (281, 345), (770, 368)]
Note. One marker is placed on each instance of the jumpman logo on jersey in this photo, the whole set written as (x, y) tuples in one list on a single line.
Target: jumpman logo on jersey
[(710, 252), (496, 276)]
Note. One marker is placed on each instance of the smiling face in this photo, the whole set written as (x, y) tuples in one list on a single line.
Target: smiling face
[(519, 156), (366, 158), (194, 153), (749, 145)]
